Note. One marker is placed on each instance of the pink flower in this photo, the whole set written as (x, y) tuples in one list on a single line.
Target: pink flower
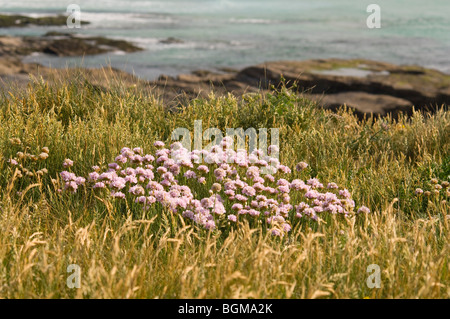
[(148, 158), (284, 169), (237, 207), (203, 169), (297, 184), (276, 232), (312, 194), (136, 190), (301, 166), (161, 170), (94, 176), (99, 185), (232, 217), (190, 174), (154, 186), (219, 173), (210, 224), (282, 182), (240, 198), (286, 227), (318, 209), (218, 208), (114, 166), (332, 186), (252, 172), (229, 192), (68, 163), (344, 193), (283, 189), (161, 159), (175, 169), (121, 159), (165, 183), (80, 180), (118, 183), (363, 210), (71, 186), (314, 183), (159, 144), (141, 200), (119, 195), (253, 212), (188, 214), (249, 191), (67, 176), (207, 203), (230, 186)]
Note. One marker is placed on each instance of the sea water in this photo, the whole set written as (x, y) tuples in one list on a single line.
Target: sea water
[(219, 34)]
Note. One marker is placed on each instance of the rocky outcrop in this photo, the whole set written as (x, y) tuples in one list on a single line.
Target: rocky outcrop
[(364, 103), (24, 21), (366, 86), (418, 85), (62, 44), (15, 74)]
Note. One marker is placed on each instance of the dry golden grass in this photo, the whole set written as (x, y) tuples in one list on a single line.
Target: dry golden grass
[(129, 258)]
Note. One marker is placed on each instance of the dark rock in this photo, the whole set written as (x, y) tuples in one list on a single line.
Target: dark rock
[(72, 47), (62, 44), (420, 86), (23, 21), (114, 44), (364, 103), (58, 34), (171, 40)]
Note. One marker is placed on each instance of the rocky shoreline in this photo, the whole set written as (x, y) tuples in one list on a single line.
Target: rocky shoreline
[(366, 86)]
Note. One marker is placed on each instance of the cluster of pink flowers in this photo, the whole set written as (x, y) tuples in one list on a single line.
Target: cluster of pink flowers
[(241, 186), (71, 181)]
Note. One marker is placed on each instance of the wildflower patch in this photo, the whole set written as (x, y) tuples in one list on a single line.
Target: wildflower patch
[(232, 180)]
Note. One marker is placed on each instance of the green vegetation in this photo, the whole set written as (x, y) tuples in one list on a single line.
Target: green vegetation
[(125, 254)]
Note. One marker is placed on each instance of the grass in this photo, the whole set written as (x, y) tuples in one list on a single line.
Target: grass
[(127, 255)]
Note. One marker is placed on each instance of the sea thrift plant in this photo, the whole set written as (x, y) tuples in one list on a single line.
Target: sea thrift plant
[(26, 168), (437, 190), (236, 187)]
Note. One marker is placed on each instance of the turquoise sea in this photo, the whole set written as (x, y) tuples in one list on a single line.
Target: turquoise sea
[(237, 33)]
